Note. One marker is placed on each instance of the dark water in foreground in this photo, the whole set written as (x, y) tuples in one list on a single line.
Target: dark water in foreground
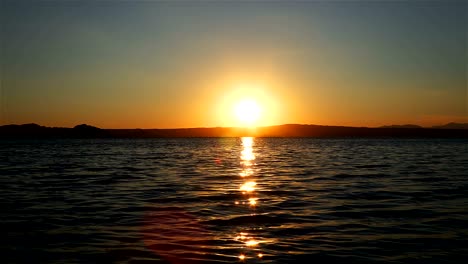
[(221, 200)]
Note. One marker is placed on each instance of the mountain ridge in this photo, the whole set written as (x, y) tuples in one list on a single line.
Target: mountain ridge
[(450, 130)]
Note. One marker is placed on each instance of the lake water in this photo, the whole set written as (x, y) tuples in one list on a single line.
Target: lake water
[(231, 200)]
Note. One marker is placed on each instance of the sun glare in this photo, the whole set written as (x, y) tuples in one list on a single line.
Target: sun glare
[(248, 105), (247, 111)]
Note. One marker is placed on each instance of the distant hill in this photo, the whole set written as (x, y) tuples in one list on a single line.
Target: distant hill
[(453, 126), (37, 131), (451, 130), (402, 126)]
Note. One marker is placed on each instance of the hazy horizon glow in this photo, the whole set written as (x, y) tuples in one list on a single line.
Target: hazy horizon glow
[(168, 64)]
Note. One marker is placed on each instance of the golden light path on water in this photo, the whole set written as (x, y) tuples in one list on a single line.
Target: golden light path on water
[(170, 231), (247, 188)]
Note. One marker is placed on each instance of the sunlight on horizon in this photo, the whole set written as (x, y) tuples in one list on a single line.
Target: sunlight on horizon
[(247, 104)]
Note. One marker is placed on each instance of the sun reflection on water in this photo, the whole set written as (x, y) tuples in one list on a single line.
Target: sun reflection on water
[(246, 172), (248, 186), (251, 243), (247, 154), (253, 201), (248, 189)]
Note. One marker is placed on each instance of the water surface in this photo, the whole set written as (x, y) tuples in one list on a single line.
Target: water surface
[(230, 200)]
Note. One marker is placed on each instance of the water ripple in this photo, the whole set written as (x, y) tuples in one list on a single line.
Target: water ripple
[(225, 200)]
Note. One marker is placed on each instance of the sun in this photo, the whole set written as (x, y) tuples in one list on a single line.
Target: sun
[(247, 111), (246, 105)]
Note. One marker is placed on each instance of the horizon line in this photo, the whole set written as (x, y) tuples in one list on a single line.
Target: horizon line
[(246, 127)]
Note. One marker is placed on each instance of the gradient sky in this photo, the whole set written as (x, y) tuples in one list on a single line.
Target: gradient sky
[(162, 64)]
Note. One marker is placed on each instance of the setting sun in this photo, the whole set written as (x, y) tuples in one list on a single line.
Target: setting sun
[(248, 104), (247, 111)]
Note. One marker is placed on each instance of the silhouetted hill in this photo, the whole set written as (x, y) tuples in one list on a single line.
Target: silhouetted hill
[(453, 126), (402, 126), (85, 127), (341, 131), (37, 131), (290, 130), (84, 130)]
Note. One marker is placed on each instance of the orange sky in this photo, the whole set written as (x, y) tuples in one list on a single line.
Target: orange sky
[(182, 64)]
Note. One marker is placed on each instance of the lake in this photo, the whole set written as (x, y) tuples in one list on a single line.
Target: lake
[(231, 200)]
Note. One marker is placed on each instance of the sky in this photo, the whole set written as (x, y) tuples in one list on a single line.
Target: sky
[(170, 64)]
